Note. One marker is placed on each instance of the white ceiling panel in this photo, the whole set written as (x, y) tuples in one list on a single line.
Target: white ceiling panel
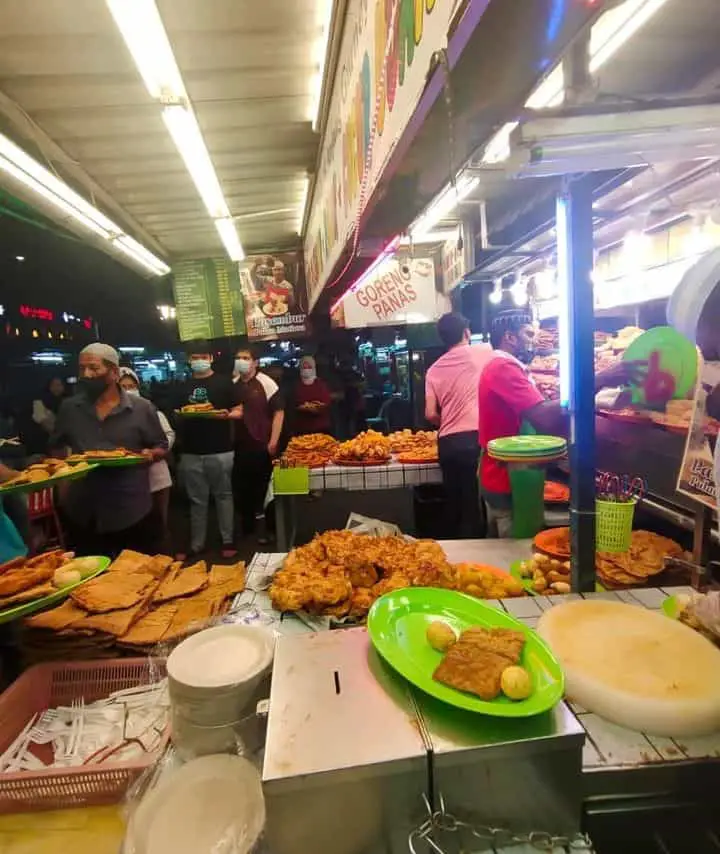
[(248, 67)]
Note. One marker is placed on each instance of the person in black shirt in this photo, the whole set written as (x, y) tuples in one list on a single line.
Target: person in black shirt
[(207, 449)]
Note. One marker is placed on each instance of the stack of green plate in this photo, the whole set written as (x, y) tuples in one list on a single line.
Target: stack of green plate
[(527, 449)]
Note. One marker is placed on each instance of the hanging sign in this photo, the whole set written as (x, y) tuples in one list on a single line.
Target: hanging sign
[(398, 291), (697, 473), (385, 56), (208, 300)]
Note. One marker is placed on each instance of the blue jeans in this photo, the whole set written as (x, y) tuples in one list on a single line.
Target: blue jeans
[(203, 475)]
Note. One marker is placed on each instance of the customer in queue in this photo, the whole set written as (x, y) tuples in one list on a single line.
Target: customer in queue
[(508, 398), (206, 446), (257, 439), (160, 478), (111, 508), (451, 403), (312, 400)]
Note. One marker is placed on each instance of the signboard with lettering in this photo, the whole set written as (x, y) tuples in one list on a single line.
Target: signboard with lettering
[(385, 56), (275, 298), (208, 299), (398, 291), (453, 265), (697, 472)]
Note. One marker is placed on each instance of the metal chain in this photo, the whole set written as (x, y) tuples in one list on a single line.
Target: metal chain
[(441, 822)]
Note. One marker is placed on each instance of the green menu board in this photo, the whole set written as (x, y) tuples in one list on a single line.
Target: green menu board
[(208, 300)]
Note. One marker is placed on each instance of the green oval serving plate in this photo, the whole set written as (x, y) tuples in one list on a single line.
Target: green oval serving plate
[(39, 485), (397, 626), (25, 609)]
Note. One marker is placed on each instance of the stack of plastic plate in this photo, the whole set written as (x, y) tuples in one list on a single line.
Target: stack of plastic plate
[(527, 450), (212, 678)]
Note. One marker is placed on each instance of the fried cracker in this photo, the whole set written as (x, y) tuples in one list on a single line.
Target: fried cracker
[(28, 595), (469, 668), (114, 623), (23, 578), (192, 613), (54, 559), (150, 628), (58, 618), (130, 561), (114, 591), (182, 582), (227, 580)]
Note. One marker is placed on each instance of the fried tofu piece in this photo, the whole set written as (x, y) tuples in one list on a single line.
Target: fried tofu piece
[(58, 618), (130, 561), (192, 614), (505, 642), (114, 591), (182, 582), (151, 627), (469, 668)]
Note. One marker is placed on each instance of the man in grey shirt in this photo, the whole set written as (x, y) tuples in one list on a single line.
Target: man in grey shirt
[(111, 508)]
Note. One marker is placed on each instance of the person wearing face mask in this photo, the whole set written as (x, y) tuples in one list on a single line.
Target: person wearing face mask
[(508, 398), (451, 405), (312, 401), (160, 479), (206, 444), (111, 508), (257, 439)]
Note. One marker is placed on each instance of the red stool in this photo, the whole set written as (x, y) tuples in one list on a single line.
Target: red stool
[(41, 509)]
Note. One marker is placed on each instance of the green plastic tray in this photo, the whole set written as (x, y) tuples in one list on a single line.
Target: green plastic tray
[(38, 485), (397, 625), (120, 462), (27, 608)]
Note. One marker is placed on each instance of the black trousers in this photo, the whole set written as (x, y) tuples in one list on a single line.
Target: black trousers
[(144, 536), (251, 475), (459, 457)]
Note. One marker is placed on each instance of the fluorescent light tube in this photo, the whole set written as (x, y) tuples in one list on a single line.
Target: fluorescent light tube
[(616, 27), (442, 205), (550, 92), (303, 203), (229, 236), (142, 28), (185, 131), (23, 168), (316, 82)]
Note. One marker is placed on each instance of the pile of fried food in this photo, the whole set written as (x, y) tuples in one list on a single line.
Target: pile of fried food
[(340, 574), (644, 559), (39, 472), (205, 408), (99, 454), (547, 575), (484, 662), (141, 601), (310, 451), (415, 447), (23, 580), (367, 447)]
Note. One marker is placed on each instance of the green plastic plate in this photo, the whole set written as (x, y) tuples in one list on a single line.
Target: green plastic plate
[(397, 625), (674, 359), (517, 446), (527, 582), (38, 485), (27, 608), (119, 462)]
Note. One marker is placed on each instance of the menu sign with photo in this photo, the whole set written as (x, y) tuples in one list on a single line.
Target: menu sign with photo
[(275, 297), (697, 473), (208, 299)]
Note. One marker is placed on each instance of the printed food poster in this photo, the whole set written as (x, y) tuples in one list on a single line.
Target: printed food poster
[(697, 478), (275, 296)]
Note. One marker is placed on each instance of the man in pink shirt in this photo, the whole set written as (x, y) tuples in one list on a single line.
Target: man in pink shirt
[(451, 403)]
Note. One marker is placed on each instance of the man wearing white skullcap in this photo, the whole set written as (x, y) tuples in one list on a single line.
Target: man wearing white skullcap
[(111, 508)]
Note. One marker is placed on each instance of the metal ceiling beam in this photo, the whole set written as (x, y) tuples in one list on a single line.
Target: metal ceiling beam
[(58, 157)]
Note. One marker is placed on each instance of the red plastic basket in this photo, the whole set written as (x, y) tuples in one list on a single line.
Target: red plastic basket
[(59, 683)]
